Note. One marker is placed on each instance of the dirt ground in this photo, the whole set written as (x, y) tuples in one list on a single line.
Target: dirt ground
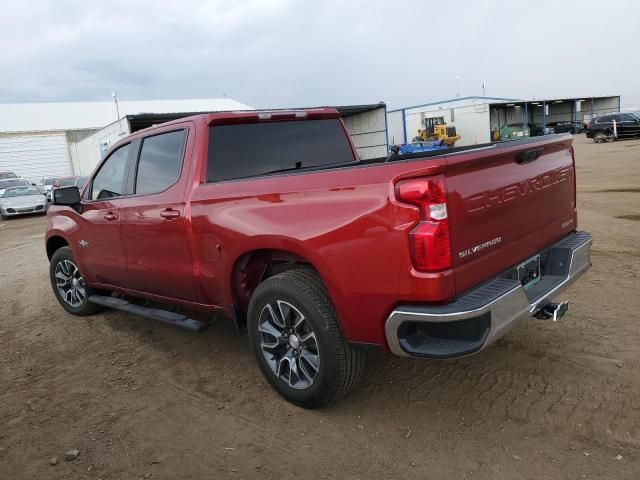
[(139, 399)]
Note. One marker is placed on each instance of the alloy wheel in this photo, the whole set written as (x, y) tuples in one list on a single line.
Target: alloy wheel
[(70, 283), (289, 344)]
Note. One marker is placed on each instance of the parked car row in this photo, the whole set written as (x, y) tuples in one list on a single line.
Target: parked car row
[(566, 126), (49, 184), (19, 196), (519, 130), (600, 128)]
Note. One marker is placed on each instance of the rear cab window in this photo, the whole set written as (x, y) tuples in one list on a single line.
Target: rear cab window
[(254, 149)]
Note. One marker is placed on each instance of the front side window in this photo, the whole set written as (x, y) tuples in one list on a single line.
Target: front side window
[(160, 162), (109, 182), (246, 150)]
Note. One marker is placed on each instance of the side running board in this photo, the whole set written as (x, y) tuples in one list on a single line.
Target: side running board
[(165, 316)]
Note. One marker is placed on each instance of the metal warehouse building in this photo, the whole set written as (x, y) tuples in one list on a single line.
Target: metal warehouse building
[(41, 139), (475, 118)]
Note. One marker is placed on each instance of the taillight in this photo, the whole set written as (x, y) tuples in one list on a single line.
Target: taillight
[(429, 240)]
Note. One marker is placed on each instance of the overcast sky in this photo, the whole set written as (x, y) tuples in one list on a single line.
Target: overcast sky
[(301, 53)]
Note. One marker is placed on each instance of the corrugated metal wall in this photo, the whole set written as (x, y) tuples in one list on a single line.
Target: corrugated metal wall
[(369, 133), (472, 123), (87, 153), (35, 156)]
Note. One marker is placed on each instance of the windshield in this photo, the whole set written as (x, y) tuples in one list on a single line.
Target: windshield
[(82, 182), (49, 181), (21, 192), (4, 175), (18, 182)]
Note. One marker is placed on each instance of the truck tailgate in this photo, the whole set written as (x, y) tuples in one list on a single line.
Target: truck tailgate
[(507, 202)]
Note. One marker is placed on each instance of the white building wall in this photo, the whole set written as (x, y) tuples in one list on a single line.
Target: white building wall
[(395, 127), (472, 123), (87, 153), (368, 132), (35, 155)]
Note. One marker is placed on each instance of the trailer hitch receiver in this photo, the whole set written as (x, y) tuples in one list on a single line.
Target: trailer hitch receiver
[(553, 311)]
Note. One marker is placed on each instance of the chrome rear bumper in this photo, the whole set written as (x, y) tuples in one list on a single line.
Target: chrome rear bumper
[(480, 317)]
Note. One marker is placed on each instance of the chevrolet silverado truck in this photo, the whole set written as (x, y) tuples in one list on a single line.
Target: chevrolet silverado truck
[(271, 219)]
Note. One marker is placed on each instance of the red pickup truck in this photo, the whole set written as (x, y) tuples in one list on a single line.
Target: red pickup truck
[(272, 219)]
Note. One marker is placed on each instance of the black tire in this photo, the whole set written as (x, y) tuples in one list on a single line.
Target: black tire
[(84, 307), (340, 365)]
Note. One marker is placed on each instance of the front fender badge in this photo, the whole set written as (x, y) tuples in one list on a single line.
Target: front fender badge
[(83, 243)]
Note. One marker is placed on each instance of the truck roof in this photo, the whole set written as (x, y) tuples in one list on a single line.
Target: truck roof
[(253, 116)]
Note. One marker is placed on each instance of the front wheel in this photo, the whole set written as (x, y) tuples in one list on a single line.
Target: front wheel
[(294, 335), (68, 284)]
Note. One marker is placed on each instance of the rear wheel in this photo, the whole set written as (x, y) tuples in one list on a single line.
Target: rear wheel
[(601, 137), (68, 284), (294, 335)]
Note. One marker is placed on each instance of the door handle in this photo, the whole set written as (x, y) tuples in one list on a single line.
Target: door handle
[(529, 156), (111, 216), (169, 214)]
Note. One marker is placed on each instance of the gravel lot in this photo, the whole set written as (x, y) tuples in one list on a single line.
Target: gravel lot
[(139, 399)]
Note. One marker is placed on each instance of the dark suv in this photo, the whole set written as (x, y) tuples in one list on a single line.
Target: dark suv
[(601, 128)]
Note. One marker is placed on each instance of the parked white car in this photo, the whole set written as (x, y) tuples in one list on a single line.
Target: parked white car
[(46, 184)]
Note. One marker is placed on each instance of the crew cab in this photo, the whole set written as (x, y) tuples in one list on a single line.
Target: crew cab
[(271, 219)]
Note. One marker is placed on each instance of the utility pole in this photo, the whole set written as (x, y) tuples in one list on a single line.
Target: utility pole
[(115, 100), (457, 86), (484, 90)]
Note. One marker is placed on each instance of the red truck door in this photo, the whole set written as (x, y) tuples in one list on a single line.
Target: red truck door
[(100, 249), (153, 223)]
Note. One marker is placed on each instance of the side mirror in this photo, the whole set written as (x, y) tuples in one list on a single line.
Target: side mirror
[(67, 196)]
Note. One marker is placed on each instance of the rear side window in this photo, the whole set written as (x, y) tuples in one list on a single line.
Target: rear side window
[(160, 162), (109, 181), (247, 150)]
